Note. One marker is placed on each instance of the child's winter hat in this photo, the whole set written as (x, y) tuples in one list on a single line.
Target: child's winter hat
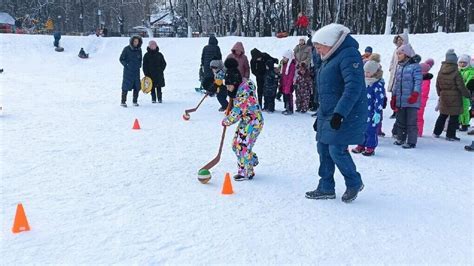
[(407, 50), (430, 62), (373, 65), (232, 74), (368, 49), (464, 58), (425, 68), (216, 64), (451, 57)]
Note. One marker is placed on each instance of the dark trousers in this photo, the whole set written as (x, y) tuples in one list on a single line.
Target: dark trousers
[(331, 156), (260, 86), (288, 100), (453, 125), (135, 96), (156, 91), (222, 97), (406, 126), (208, 84), (269, 103)]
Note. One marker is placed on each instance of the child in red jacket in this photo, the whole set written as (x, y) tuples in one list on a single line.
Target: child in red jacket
[(425, 92)]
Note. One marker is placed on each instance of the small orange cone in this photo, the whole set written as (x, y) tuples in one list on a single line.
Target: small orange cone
[(21, 223), (227, 187), (136, 125)]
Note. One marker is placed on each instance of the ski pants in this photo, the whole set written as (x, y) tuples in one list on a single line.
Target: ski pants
[(245, 136), (371, 136), (135, 96), (406, 125), (465, 117)]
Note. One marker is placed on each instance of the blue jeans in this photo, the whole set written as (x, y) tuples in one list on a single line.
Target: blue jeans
[(336, 155)]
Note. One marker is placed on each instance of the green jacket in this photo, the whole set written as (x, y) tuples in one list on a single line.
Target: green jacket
[(467, 74)]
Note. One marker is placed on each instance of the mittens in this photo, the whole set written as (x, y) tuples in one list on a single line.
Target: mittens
[(413, 97), (336, 121), (376, 118)]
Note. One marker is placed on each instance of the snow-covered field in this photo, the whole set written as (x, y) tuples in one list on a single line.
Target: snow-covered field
[(95, 191)]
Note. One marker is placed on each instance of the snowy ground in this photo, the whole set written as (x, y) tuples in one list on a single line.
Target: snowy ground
[(97, 192)]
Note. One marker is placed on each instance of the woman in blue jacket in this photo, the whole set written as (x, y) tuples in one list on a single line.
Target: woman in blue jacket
[(342, 115)]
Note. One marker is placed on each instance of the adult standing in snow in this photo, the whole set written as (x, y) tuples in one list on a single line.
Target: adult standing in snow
[(302, 23), (258, 68), (450, 88), (131, 59), (154, 65), (209, 52), (398, 40), (342, 115), (302, 53), (238, 53)]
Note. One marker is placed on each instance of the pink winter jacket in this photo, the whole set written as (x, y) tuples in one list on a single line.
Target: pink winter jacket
[(425, 92), (244, 67), (286, 81)]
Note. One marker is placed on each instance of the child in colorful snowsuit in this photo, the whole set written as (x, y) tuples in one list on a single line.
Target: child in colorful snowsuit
[(288, 70), (467, 73), (271, 85), (425, 92), (217, 68), (247, 112), (375, 100), (406, 97), (304, 85)]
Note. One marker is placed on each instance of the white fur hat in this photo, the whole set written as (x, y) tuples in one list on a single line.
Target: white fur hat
[(465, 58), (329, 34)]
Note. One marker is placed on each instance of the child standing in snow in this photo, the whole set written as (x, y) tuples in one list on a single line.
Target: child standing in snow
[(367, 54), (467, 73), (288, 69), (217, 68), (304, 85), (247, 112), (405, 97), (271, 85), (375, 99), (425, 92)]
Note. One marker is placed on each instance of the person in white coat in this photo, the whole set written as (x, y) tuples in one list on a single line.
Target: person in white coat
[(398, 40)]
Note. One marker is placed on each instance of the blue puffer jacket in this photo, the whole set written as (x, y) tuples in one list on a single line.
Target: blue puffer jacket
[(131, 59), (407, 80), (341, 87)]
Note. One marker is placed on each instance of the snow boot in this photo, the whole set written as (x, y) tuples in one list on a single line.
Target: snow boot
[(469, 148), (242, 178), (351, 194), (358, 149), (399, 143), (453, 139), (464, 128), (408, 146), (124, 105), (319, 195), (287, 112), (222, 109), (135, 104), (369, 152), (153, 101)]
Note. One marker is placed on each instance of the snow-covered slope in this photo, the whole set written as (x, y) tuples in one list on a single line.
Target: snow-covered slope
[(97, 192)]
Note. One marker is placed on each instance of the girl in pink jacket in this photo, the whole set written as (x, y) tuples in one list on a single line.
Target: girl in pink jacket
[(425, 92), (288, 69)]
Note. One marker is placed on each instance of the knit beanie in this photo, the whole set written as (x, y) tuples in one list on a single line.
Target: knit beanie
[(451, 57), (330, 34), (465, 58), (216, 64), (425, 68), (430, 62), (290, 56), (368, 49), (407, 50)]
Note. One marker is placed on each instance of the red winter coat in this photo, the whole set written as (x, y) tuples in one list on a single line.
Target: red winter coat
[(302, 22)]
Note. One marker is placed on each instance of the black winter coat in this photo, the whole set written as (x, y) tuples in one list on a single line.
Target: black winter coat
[(153, 66), (271, 83), (258, 63), (131, 59), (210, 52)]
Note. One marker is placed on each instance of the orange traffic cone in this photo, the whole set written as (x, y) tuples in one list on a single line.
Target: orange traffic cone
[(136, 125), (227, 187), (21, 223)]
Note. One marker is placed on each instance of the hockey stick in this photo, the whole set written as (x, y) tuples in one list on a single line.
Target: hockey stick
[(216, 160), (186, 115)]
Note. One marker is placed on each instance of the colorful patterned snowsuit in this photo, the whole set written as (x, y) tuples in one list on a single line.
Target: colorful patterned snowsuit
[(303, 91), (375, 99), (247, 112)]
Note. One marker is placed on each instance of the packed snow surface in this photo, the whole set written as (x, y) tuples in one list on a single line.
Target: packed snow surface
[(96, 191)]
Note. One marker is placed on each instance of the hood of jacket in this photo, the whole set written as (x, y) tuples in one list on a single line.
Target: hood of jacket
[(238, 47), (448, 68), (256, 53), (140, 41), (213, 40)]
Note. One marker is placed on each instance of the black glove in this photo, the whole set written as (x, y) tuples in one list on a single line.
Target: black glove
[(336, 121), (315, 125)]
